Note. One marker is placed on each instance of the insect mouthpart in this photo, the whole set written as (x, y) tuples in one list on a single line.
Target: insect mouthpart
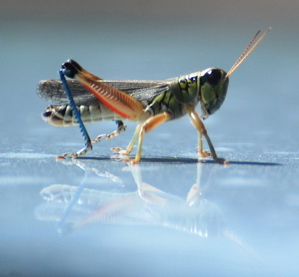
[(214, 84)]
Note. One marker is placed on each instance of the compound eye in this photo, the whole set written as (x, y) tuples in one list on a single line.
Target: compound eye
[(214, 77)]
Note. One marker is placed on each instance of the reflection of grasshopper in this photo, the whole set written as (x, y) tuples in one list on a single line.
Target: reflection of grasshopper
[(149, 103), (147, 205), (74, 207)]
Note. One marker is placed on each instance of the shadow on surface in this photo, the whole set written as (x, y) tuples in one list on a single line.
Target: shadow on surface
[(183, 161)]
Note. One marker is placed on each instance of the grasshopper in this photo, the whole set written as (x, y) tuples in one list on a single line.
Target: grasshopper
[(89, 99)]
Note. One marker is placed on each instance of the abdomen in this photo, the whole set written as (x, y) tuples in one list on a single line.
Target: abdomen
[(63, 116)]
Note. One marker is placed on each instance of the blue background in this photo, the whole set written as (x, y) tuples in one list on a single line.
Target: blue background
[(245, 218)]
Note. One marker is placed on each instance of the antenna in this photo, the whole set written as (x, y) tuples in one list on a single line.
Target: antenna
[(248, 50)]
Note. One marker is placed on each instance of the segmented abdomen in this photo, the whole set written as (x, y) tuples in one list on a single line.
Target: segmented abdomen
[(63, 116)]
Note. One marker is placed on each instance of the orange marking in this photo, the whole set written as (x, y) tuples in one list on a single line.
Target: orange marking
[(114, 209), (106, 103)]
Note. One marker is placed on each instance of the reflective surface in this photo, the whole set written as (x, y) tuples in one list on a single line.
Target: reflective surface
[(172, 214)]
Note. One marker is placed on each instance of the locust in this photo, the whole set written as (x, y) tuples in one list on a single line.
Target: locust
[(86, 98)]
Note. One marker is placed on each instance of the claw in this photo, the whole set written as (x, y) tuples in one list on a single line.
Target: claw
[(204, 153), (67, 155), (116, 149)]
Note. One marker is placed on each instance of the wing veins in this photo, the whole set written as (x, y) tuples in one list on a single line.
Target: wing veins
[(52, 90)]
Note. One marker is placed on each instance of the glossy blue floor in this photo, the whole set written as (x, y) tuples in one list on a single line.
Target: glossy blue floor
[(173, 214)]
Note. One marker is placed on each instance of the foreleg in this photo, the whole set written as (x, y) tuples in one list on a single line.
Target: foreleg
[(200, 127)]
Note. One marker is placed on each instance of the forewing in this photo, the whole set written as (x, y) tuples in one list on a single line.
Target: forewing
[(52, 90)]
